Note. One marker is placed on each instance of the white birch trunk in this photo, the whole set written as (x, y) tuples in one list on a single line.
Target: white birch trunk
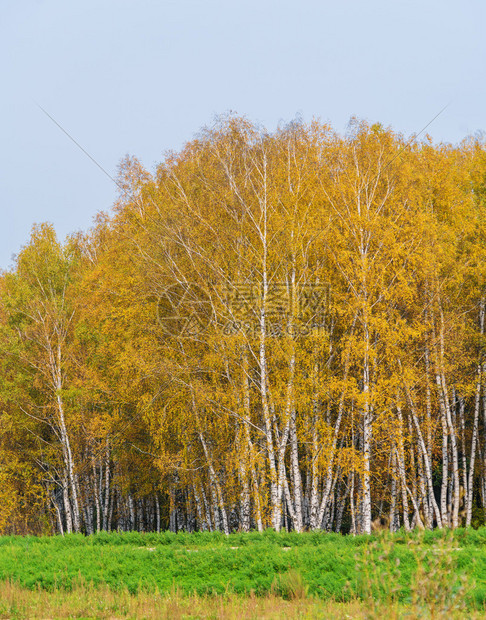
[(474, 439)]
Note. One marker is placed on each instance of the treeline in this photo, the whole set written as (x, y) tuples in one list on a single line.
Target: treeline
[(272, 330)]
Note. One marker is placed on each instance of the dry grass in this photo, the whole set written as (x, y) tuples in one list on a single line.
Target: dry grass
[(88, 602)]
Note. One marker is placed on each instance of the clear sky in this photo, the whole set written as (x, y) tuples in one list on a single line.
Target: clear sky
[(143, 76)]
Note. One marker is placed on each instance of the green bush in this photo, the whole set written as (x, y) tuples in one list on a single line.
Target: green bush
[(327, 566)]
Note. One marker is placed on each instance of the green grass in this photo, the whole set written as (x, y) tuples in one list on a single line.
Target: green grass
[(432, 568)]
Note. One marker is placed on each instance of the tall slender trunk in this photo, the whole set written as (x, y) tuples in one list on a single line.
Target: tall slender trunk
[(157, 513), (366, 510), (217, 487), (393, 492), (401, 470), (249, 442), (455, 499), (314, 472), (267, 418), (68, 459), (107, 485), (292, 414), (96, 498), (329, 473), (474, 439), (425, 454), (55, 361), (296, 477), (67, 504), (131, 512), (352, 508)]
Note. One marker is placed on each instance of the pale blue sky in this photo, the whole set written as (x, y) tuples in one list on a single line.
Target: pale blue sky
[(143, 76)]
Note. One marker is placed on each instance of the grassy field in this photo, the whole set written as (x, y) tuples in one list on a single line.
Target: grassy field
[(269, 575), (86, 602)]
